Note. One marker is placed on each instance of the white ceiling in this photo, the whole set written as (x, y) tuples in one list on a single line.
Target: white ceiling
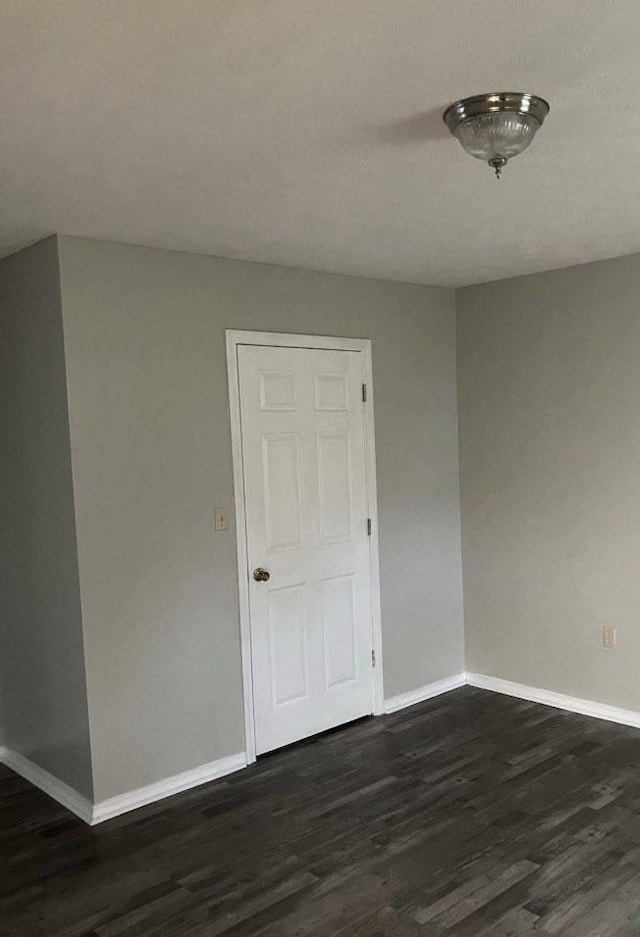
[(308, 132)]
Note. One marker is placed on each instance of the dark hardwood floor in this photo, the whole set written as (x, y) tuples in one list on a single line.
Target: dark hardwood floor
[(472, 814)]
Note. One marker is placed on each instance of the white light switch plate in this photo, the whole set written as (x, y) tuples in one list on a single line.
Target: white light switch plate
[(221, 516)]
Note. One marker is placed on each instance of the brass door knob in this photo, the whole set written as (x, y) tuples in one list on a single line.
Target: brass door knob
[(261, 575)]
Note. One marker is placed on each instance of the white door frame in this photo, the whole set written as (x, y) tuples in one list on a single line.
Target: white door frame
[(282, 340)]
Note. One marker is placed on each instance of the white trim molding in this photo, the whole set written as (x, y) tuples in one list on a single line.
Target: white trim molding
[(394, 703), (159, 790), (123, 803), (284, 340), (150, 793), (64, 794), (625, 717)]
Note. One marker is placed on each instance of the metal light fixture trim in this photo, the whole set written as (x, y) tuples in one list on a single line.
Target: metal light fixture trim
[(496, 127)]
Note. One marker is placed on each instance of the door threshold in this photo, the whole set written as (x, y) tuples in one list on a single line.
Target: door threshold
[(317, 737)]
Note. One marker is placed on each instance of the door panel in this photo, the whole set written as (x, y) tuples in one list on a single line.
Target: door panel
[(306, 517), (339, 624), (334, 487), (287, 644), (277, 390), (282, 490), (331, 391)]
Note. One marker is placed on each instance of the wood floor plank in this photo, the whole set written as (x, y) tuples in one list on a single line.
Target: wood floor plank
[(470, 815)]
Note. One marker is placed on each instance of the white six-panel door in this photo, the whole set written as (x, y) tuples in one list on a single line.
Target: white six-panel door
[(303, 454)]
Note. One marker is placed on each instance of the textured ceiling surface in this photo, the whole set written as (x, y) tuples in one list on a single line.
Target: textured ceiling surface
[(309, 132)]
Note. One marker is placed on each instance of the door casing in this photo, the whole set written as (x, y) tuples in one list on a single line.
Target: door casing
[(235, 338)]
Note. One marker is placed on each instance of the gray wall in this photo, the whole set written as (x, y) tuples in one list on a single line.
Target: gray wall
[(41, 650), (150, 433), (549, 411)]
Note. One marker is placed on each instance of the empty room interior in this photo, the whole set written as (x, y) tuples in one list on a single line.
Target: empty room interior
[(320, 330)]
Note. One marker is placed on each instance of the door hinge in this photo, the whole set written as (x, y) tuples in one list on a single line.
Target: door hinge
[(364, 393), (368, 527), (373, 657)]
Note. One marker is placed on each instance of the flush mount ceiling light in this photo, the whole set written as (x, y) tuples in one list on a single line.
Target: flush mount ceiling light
[(495, 127)]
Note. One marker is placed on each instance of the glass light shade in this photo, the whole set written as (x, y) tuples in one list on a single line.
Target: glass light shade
[(495, 136), (498, 126)]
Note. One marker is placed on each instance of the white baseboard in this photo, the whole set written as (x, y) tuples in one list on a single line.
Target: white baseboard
[(422, 693), (65, 795), (114, 806), (123, 803), (625, 717), (150, 793)]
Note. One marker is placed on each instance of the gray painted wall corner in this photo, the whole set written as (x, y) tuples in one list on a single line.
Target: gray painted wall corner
[(150, 438), (43, 671), (549, 399)]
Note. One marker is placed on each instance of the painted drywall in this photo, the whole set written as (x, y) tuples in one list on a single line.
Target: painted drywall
[(549, 419), (150, 432), (310, 132), (44, 700)]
